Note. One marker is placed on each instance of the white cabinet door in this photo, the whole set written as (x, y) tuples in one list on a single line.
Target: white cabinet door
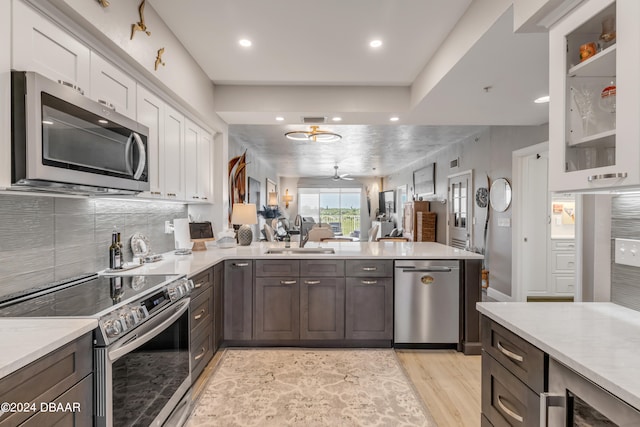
[(197, 163), (42, 46), (151, 113), (172, 156), (593, 137), (112, 87), (205, 167)]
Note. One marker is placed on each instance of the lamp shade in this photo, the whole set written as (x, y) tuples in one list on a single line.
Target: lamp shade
[(273, 199), (244, 213)]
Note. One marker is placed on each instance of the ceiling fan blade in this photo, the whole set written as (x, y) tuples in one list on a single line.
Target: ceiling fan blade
[(346, 178)]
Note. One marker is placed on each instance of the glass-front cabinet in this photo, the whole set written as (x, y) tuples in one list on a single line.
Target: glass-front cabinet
[(594, 112)]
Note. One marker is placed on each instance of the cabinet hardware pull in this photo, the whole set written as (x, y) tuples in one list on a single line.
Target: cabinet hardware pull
[(312, 282), (195, 197), (546, 400), (107, 104), (202, 352), (205, 198), (198, 285), (72, 86), (369, 268), (618, 175), (240, 264), (510, 354), (509, 412), (369, 282), (199, 315), (288, 282), (171, 194)]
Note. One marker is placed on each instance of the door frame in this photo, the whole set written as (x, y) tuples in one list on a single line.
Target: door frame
[(517, 292), (470, 202)]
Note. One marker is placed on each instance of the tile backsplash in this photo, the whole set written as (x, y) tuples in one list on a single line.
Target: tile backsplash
[(625, 224), (46, 239)]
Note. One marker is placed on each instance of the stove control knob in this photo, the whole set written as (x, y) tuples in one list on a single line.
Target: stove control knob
[(189, 285), (112, 327), (129, 317), (141, 312)]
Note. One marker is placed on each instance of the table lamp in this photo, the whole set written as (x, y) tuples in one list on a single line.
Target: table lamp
[(244, 214)]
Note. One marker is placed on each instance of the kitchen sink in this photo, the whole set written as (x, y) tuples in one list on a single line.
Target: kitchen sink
[(287, 251)]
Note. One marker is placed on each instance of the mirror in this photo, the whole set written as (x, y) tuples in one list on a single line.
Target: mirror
[(500, 195)]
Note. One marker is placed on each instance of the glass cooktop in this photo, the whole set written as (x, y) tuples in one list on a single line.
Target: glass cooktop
[(87, 298)]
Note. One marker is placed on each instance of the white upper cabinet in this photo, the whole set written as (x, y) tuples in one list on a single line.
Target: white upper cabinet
[(151, 113), (172, 155), (42, 46), (594, 113), (112, 87), (197, 163)]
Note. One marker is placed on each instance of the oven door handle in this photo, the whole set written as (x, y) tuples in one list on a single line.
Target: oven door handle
[(547, 400), (163, 319)]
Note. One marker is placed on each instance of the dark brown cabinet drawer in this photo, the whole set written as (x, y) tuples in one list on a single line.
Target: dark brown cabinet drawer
[(47, 378), (277, 268), (201, 352), (201, 282), (201, 312), (369, 268), (507, 401), (321, 268), (520, 357)]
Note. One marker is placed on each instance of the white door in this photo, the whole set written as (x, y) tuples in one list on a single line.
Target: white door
[(535, 223), (460, 211)]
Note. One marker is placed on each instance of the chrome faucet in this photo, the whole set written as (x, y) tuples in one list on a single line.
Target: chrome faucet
[(303, 241)]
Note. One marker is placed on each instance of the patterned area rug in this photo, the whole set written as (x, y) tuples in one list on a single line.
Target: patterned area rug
[(302, 387)]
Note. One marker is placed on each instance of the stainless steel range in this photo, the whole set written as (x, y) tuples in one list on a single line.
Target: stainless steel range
[(141, 347)]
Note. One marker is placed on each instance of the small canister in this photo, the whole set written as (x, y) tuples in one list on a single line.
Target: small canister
[(587, 50)]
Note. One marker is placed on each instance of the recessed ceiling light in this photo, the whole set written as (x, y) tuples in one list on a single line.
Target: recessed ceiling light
[(47, 122), (280, 119), (394, 119), (336, 119), (103, 121), (375, 43), (542, 99), (245, 43)]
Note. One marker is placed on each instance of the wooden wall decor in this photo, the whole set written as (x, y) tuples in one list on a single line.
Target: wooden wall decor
[(159, 59), (103, 3), (237, 181), (140, 25)]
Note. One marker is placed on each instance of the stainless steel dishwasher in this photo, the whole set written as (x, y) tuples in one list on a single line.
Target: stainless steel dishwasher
[(427, 304)]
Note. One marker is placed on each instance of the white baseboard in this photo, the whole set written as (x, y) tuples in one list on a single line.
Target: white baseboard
[(498, 296)]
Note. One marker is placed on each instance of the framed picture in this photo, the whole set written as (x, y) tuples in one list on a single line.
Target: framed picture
[(424, 182), (271, 187)]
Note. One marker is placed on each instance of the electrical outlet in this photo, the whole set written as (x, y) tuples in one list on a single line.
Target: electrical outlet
[(504, 222), (168, 227), (627, 252)]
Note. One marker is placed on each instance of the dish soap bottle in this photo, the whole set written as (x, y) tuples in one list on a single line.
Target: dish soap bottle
[(287, 240), (115, 254)]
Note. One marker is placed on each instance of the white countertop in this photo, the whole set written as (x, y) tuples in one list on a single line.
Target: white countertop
[(201, 260), (25, 340), (600, 341)]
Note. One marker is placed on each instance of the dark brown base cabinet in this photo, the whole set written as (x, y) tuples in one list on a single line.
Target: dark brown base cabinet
[(201, 311), (218, 306), (322, 308), (238, 300), (369, 308), (63, 376), (514, 373), (277, 308)]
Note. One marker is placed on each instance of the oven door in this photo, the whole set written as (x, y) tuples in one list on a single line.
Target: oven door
[(144, 376), (573, 400)]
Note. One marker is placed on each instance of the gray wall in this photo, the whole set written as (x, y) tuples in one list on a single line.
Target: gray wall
[(46, 239), (488, 153)]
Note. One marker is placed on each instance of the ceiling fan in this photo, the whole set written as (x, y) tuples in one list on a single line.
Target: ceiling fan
[(337, 177)]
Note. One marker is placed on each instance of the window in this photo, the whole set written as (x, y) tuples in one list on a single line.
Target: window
[(338, 207)]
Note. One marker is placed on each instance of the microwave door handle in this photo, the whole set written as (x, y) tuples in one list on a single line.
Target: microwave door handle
[(128, 153), (142, 154)]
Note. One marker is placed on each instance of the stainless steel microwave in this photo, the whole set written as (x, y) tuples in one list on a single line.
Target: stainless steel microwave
[(64, 141)]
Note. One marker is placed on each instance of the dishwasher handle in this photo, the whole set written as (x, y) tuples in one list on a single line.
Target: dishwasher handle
[(426, 270)]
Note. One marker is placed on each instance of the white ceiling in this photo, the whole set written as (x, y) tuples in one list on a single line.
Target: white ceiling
[(312, 58)]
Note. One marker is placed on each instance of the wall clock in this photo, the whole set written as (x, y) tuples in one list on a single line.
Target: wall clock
[(482, 197)]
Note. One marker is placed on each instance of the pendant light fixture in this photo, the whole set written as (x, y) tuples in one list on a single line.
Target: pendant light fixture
[(315, 135)]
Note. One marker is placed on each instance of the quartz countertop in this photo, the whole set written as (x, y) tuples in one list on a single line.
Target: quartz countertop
[(201, 260), (600, 341), (24, 340)]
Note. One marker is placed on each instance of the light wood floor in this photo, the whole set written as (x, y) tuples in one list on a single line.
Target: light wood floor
[(448, 383)]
